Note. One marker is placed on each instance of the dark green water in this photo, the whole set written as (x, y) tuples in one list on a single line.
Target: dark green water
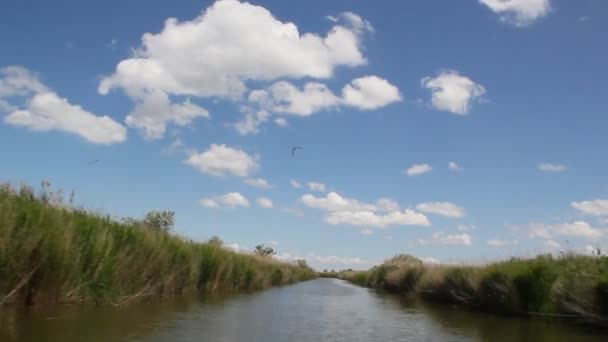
[(319, 310)]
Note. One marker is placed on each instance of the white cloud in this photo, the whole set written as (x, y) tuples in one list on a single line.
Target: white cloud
[(441, 208), (315, 186), (366, 232), (431, 261), (49, 112), (230, 43), (596, 207), (364, 93), (222, 160), (317, 259), (444, 239), (295, 183), (548, 167), (19, 81), (418, 169), (154, 110), (284, 97), (502, 243), (264, 202), (452, 166), (578, 229), (281, 122), (335, 202), (353, 20), (465, 227), (519, 12), (384, 213), (209, 203), (552, 244), (230, 200), (251, 122), (46, 111), (258, 183), (370, 92), (453, 92), (371, 219)]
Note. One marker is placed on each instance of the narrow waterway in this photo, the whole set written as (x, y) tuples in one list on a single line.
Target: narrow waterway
[(318, 310)]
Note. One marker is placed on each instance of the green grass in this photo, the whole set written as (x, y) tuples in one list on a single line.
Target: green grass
[(569, 285), (51, 253)]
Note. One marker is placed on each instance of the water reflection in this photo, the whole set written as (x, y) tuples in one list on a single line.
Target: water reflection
[(320, 310)]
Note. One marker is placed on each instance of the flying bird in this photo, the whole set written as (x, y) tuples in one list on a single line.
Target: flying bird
[(293, 150), (93, 162)]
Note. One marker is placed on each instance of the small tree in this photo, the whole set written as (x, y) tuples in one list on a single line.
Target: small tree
[(215, 241), (264, 251), (159, 220)]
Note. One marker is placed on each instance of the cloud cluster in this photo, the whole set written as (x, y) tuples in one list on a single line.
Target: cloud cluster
[(577, 229), (229, 44), (45, 110), (382, 214), (222, 160)]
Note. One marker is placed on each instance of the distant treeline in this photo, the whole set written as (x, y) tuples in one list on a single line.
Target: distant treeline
[(51, 252), (571, 287)]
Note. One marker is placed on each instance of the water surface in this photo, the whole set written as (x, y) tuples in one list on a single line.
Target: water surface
[(318, 310)]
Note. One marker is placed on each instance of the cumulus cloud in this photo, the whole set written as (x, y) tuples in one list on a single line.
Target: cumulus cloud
[(371, 219), (258, 183), (153, 111), (316, 186), (370, 92), (222, 160), (384, 213), (265, 202), (284, 97), (453, 166), (364, 93), (294, 183), (230, 43), (418, 169), (596, 207), (519, 12), (578, 229), (281, 122), (453, 92), (230, 200), (441, 208), (549, 167), (44, 110), (444, 239), (251, 122), (502, 243)]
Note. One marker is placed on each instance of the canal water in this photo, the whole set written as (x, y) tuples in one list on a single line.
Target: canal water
[(319, 310)]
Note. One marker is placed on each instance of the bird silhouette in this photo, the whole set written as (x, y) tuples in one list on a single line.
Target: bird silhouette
[(93, 162), (293, 150)]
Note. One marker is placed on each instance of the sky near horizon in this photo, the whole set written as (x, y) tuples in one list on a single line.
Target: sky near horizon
[(456, 131)]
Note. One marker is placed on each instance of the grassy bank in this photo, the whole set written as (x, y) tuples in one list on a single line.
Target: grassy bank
[(573, 287), (53, 253)]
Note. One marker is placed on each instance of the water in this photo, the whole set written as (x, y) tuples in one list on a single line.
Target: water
[(318, 310)]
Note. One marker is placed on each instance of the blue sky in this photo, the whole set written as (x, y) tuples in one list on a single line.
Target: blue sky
[(198, 114)]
